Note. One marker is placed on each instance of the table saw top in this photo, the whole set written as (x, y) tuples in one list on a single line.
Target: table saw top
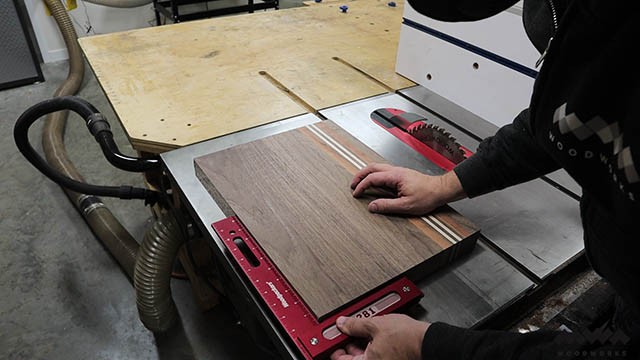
[(509, 262), (179, 84), (291, 193), (468, 292)]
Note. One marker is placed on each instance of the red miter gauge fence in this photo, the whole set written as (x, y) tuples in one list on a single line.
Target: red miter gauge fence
[(401, 124), (314, 338)]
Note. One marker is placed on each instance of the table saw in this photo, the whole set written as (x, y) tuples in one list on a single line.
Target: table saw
[(530, 237), (509, 263)]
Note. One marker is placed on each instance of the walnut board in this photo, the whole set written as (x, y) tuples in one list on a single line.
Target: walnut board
[(179, 84), (291, 191)]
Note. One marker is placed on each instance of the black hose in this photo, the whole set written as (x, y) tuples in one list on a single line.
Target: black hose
[(120, 160), (100, 128)]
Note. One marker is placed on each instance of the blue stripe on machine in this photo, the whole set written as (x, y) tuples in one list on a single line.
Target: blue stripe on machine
[(474, 49)]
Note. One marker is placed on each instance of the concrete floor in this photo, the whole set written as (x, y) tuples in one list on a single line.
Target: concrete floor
[(63, 296)]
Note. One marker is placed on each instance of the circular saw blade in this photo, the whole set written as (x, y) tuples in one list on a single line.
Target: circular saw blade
[(439, 140)]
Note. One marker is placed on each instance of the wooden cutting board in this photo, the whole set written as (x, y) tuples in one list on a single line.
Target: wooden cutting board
[(292, 193)]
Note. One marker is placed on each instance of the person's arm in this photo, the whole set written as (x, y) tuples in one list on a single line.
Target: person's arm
[(510, 157), (443, 341), (400, 337), (460, 10)]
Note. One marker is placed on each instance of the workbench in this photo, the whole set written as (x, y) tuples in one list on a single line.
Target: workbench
[(176, 85), (216, 83)]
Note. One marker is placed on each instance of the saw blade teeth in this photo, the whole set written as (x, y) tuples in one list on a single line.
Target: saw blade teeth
[(438, 139), (417, 128)]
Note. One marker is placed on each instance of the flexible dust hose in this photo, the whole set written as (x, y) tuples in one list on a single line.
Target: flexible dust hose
[(99, 127), (152, 277), (53, 131), (118, 241), (106, 227), (153, 294)]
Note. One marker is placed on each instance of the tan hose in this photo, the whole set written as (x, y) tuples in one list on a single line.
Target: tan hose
[(152, 278), (156, 307), (108, 229), (114, 236), (52, 140)]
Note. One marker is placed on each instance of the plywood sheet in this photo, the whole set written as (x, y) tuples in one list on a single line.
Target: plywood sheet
[(292, 192), (178, 84)]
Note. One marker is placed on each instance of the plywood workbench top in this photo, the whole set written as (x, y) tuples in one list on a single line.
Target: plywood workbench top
[(179, 84)]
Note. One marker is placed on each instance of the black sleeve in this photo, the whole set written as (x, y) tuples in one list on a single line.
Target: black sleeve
[(443, 341), (460, 10), (510, 157)]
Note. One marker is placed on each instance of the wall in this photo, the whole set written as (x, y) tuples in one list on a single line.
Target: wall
[(103, 20)]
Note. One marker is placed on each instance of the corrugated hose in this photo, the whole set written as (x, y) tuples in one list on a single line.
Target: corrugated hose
[(152, 264)]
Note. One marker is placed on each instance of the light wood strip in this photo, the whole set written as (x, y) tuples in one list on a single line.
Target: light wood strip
[(336, 146), (348, 165)]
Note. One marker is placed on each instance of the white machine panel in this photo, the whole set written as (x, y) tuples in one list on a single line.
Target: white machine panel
[(486, 66)]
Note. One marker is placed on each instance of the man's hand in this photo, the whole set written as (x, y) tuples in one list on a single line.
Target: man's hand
[(415, 193), (392, 336)]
